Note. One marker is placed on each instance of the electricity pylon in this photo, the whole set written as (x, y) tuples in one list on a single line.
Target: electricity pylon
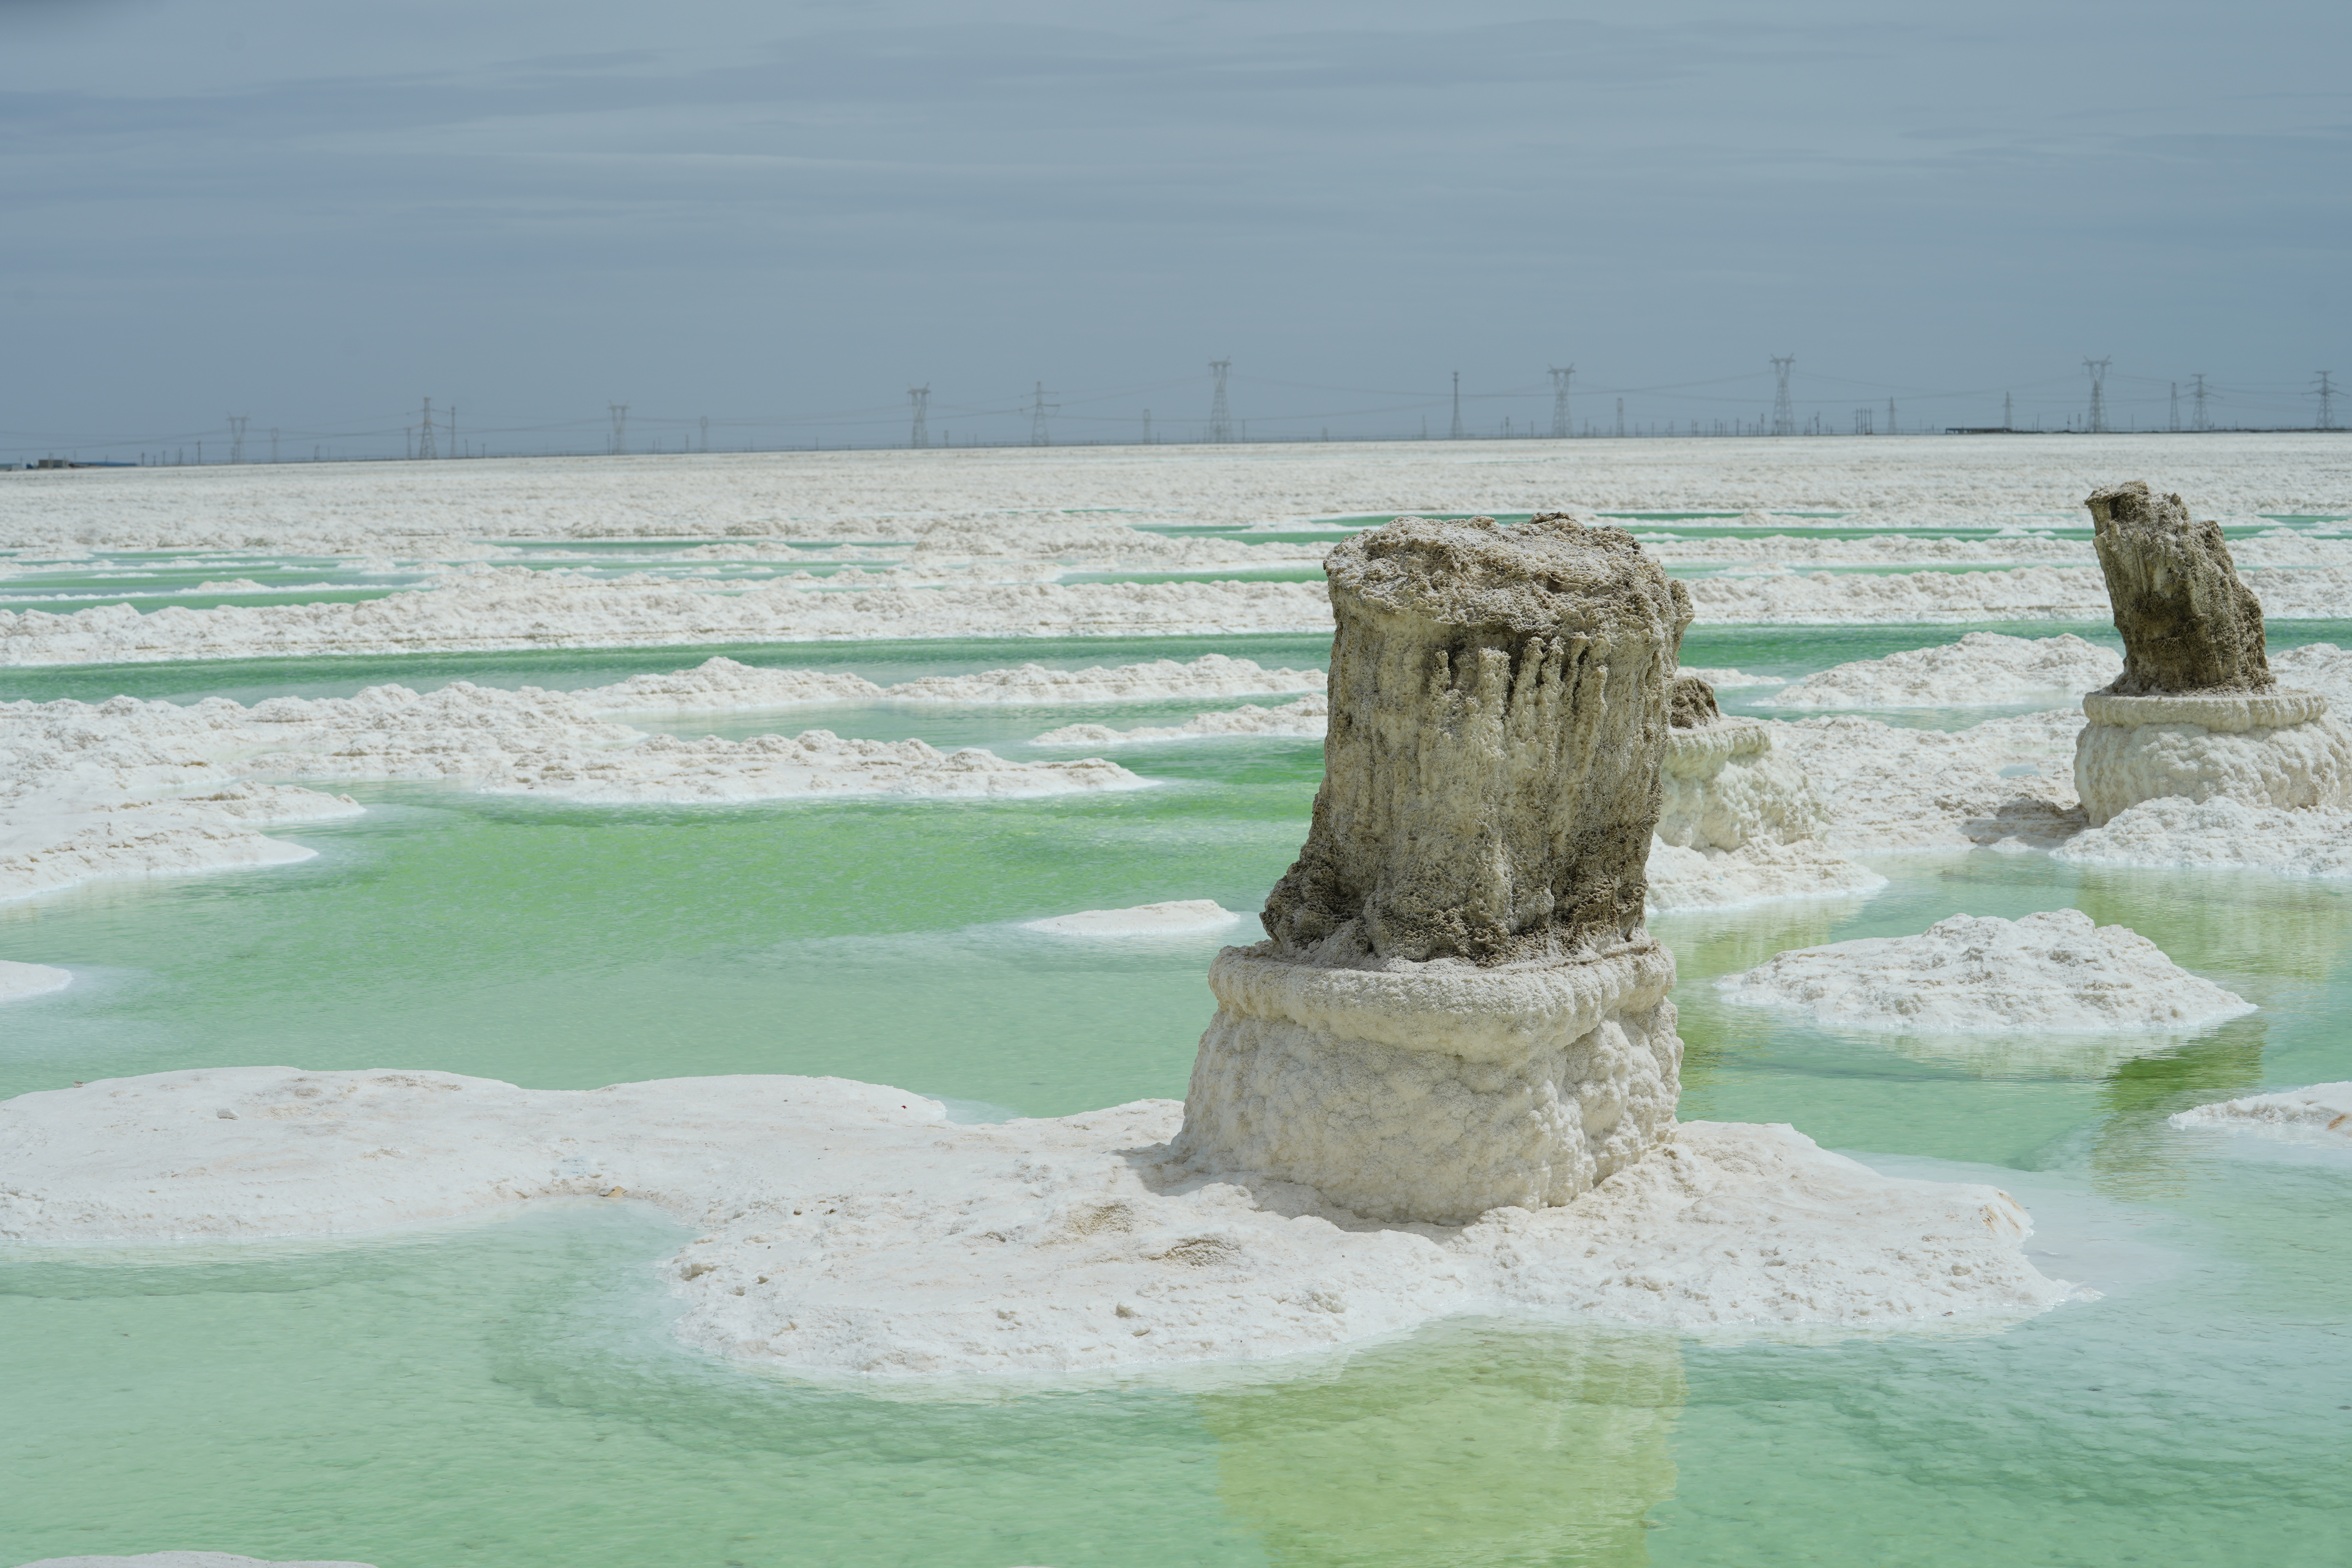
[(920, 437), (236, 436), (2098, 369), (2325, 392), (1037, 406), (620, 412), (1784, 413), (1220, 416), (1457, 433), (1560, 376)]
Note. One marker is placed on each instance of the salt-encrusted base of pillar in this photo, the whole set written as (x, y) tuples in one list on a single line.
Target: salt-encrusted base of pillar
[(1737, 825), (2273, 748), (1437, 1091)]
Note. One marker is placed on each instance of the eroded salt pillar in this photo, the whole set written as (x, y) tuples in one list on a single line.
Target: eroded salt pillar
[(2196, 712), (1457, 1007)]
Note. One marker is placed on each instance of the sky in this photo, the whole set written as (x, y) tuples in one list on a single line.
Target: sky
[(780, 218)]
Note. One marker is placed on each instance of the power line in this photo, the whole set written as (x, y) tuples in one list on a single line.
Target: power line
[(1784, 412), (1560, 376), (1220, 418)]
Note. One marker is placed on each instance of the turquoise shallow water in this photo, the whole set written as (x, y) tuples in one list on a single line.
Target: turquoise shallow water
[(504, 1392)]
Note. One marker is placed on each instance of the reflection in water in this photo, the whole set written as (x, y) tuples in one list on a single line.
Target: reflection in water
[(1475, 1444), (2230, 921), (2135, 1154)]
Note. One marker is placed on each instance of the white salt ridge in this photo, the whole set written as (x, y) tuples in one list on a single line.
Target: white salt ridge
[(514, 607), (18, 981), (848, 1227), (132, 788), (1181, 916), (1730, 680), (2053, 973), (2175, 833), (1982, 669), (1682, 877), (1308, 717), (2316, 1113), (724, 685), (2004, 784)]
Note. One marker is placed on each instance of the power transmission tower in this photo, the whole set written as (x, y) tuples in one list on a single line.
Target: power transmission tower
[(425, 447), (620, 412), (2197, 420), (1220, 418), (2173, 423), (273, 439), (1147, 426), (236, 436), (1455, 434), (1892, 427), (2098, 369), (920, 438), (1037, 437), (1559, 380), (2008, 417), (1784, 413), (2325, 392), (1620, 419)]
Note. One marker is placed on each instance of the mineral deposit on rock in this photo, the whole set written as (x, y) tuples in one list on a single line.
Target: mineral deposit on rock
[(1457, 1007), (2188, 623)]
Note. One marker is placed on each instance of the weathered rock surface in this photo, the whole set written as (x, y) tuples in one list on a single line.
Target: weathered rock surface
[(1690, 703), (1499, 702), (1458, 1008), (2188, 623)]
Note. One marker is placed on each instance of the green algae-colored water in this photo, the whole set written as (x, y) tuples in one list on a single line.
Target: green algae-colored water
[(504, 1392)]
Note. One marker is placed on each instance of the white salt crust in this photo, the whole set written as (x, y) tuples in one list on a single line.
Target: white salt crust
[(2320, 666), (2006, 784), (1730, 680), (2260, 749), (1739, 824), (1983, 669), (2221, 835), (2053, 973), (18, 981), (1308, 717), (1899, 482), (184, 1559), (848, 1227), (127, 788), (1182, 917), (2318, 1113)]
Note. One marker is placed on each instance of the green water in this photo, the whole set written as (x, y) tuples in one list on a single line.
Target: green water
[(505, 1392)]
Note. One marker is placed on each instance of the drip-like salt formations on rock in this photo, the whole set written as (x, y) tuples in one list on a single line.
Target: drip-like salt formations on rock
[(1738, 822), (2053, 973), (848, 1227), (1983, 669), (2318, 1113), (1308, 716), (18, 981), (1457, 1007), (1180, 916), (2196, 714)]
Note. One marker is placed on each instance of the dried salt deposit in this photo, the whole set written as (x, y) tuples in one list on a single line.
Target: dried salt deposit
[(2006, 782), (1739, 824), (1308, 717), (1730, 680), (1983, 669), (132, 788), (1182, 917), (2222, 833), (2320, 666), (2054, 973), (21, 980), (848, 1227), (2318, 1113), (1210, 675), (182, 1560)]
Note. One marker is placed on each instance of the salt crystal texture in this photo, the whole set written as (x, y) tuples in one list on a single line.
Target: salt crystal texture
[(2219, 833), (21, 980), (1738, 823), (1982, 669), (1179, 917), (2318, 1113), (2053, 973), (1309, 717), (848, 1227)]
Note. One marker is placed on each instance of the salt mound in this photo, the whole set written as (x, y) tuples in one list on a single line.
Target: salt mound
[(2024, 593), (2053, 973), (2321, 1113), (2320, 666), (2006, 782), (1308, 717), (183, 1560), (1682, 877), (1180, 916), (2175, 831), (848, 1227), (1210, 675), (1982, 669), (723, 686), (21, 980), (1729, 679)]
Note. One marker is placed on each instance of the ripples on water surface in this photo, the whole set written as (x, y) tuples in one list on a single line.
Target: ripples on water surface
[(504, 1391)]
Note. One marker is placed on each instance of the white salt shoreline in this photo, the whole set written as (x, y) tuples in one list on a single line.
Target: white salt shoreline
[(849, 1229)]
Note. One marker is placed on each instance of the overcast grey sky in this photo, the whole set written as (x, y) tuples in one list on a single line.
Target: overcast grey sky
[(782, 215)]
